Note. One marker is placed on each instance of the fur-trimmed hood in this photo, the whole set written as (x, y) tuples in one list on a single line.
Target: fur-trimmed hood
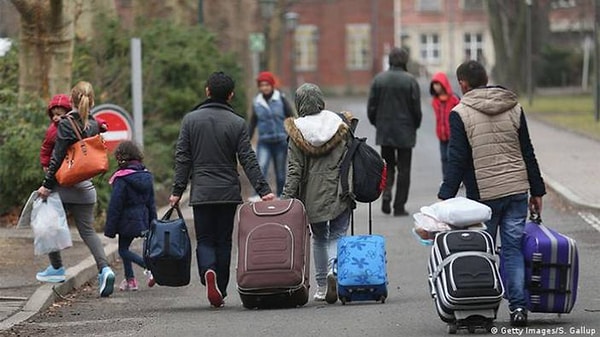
[(317, 134)]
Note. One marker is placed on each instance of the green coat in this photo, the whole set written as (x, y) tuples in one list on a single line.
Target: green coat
[(313, 174)]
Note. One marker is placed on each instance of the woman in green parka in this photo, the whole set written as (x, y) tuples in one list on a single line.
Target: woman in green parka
[(316, 148)]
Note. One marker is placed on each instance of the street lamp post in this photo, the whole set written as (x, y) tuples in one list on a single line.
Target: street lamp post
[(267, 9), (291, 23)]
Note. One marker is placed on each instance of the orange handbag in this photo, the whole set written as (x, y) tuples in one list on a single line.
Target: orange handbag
[(85, 159)]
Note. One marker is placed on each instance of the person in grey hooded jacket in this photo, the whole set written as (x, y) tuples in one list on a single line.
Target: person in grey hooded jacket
[(316, 148)]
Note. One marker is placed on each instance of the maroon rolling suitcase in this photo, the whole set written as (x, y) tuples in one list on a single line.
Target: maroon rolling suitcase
[(273, 254)]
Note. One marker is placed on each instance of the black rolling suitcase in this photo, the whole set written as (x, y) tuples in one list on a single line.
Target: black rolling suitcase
[(167, 250), (464, 279)]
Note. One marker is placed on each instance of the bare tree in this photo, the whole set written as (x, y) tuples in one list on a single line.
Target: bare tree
[(47, 37), (508, 20)]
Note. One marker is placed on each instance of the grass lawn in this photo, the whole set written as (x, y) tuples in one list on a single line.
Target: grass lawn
[(573, 112)]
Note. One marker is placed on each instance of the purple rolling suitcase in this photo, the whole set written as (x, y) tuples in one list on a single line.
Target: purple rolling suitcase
[(551, 269)]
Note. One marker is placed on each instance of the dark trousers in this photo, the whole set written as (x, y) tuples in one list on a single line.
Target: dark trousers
[(444, 158), (214, 228), (397, 159), (128, 257)]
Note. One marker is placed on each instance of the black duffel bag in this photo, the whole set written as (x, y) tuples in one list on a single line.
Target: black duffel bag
[(167, 250)]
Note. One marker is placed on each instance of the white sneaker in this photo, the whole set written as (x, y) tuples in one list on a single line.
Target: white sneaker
[(320, 294), (331, 295)]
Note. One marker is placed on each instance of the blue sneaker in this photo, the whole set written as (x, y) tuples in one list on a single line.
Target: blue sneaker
[(106, 282), (51, 275)]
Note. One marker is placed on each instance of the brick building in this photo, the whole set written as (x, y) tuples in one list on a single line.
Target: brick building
[(342, 44)]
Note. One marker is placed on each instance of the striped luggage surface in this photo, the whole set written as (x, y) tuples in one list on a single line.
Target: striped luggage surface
[(273, 264), (463, 275), (551, 269)]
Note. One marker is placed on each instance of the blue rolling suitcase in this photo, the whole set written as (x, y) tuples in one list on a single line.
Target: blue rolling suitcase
[(361, 267)]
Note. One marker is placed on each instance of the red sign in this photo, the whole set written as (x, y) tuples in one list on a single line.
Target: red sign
[(120, 125)]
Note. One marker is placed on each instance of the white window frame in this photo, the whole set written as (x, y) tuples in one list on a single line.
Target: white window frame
[(474, 47), (473, 5), (429, 5), (305, 46), (358, 46), (429, 47)]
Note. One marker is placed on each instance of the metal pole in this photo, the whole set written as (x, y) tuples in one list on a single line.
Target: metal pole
[(529, 56), (136, 90), (200, 13)]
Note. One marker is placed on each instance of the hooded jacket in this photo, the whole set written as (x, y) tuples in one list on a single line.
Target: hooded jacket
[(315, 151), (60, 100), (490, 148), (442, 106), (132, 206)]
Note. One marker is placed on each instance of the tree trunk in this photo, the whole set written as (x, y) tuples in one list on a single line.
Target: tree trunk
[(508, 25), (46, 49)]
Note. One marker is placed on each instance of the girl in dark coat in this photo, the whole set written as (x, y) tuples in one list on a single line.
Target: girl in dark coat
[(131, 208)]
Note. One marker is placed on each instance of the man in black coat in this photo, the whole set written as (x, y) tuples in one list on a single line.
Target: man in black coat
[(394, 108), (211, 141)]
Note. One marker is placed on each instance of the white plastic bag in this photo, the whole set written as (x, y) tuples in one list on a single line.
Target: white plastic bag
[(25, 217), (49, 224), (458, 212), (426, 228)]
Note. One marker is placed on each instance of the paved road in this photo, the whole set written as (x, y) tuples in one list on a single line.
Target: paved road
[(409, 310)]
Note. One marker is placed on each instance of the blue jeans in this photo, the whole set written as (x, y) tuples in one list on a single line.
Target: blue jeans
[(128, 256), (265, 152), (509, 214), (214, 226), (325, 236)]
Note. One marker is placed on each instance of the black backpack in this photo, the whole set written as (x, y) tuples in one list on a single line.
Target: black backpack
[(369, 170)]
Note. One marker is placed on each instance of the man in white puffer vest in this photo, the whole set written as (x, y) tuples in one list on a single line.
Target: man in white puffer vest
[(491, 152)]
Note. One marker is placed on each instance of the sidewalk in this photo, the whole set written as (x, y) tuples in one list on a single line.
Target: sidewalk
[(570, 165)]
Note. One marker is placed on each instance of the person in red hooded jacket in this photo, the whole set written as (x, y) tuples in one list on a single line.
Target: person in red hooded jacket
[(444, 100), (58, 106)]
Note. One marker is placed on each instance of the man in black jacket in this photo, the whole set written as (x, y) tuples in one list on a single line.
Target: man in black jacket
[(394, 108), (211, 141)]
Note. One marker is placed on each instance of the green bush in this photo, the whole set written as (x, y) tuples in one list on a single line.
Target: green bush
[(21, 133), (177, 60)]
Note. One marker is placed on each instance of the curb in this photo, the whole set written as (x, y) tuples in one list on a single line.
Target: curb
[(567, 194), (77, 275), (45, 295)]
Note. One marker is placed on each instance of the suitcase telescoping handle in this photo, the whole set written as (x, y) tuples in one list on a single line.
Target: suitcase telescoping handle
[(168, 213), (352, 221)]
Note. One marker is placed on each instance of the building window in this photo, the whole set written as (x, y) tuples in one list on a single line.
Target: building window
[(562, 3), (472, 5), (430, 48), (306, 39), (429, 5), (358, 46), (473, 43)]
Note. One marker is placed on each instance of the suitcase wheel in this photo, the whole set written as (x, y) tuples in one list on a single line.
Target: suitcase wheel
[(452, 328), (343, 300), (382, 299)]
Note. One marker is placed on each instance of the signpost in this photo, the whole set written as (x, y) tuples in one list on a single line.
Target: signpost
[(120, 125)]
